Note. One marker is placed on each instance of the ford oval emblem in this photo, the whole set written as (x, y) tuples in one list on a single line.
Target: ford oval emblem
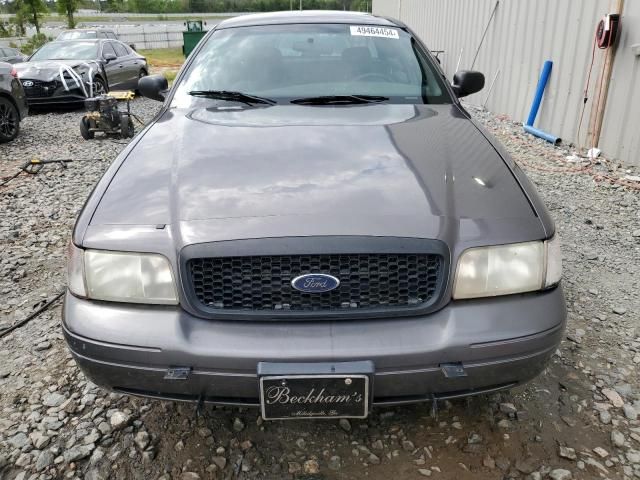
[(315, 283)]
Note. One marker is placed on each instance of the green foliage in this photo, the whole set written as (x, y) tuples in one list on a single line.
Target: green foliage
[(227, 6), (34, 43), (33, 11), (68, 8)]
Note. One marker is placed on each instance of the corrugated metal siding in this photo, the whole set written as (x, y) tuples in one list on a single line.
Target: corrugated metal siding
[(521, 36)]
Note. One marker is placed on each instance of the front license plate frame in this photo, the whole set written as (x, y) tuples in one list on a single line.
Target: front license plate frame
[(362, 387)]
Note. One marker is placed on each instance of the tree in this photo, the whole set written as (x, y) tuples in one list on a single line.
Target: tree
[(33, 10), (68, 8)]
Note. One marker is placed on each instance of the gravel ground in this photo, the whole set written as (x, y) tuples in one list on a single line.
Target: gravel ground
[(577, 420)]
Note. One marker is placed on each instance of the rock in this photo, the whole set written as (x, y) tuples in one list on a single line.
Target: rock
[(566, 452), (629, 412), (633, 456), (425, 472), (311, 467), (119, 420), (294, 467), (345, 424), (605, 417), (104, 428), (508, 408), (534, 476), (246, 445), (142, 440), (525, 466), (189, 476), (301, 444), (619, 310), (617, 438), (44, 460), (377, 445), (408, 445), (504, 424), (53, 399), (335, 462), (39, 439), (23, 460), (613, 396), (373, 459), (19, 440), (601, 452), (489, 462), (179, 446), (205, 432), (238, 425), (560, 474), (77, 452), (474, 438), (220, 462), (46, 345)]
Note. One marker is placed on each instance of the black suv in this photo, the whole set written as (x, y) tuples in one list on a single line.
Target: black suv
[(13, 105)]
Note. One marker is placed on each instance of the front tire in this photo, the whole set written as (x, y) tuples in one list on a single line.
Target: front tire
[(142, 74), (99, 87), (9, 120), (85, 125)]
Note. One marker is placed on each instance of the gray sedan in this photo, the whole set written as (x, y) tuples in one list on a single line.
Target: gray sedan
[(313, 225), (13, 104)]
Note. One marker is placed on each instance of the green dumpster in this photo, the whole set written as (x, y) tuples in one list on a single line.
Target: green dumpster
[(192, 35)]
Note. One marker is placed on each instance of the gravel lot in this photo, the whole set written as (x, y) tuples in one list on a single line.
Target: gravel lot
[(578, 420)]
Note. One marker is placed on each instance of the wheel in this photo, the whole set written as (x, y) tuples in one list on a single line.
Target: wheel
[(127, 129), (9, 120), (142, 74), (99, 87), (85, 125)]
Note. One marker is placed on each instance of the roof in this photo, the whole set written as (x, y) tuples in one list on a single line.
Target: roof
[(96, 29), (305, 16)]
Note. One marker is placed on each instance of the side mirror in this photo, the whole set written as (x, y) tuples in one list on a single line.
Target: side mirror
[(154, 87), (466, 82), (108, 57)]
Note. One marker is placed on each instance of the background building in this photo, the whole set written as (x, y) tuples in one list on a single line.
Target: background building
[(520, 36)]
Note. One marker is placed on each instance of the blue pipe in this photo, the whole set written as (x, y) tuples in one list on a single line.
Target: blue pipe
[(539, 133), (535, 106), (542, 83)]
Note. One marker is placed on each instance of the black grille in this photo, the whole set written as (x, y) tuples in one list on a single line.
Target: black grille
[(38, 88), (367, 281)]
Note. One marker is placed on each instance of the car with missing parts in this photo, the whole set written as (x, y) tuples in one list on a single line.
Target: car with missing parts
[(313, 225)]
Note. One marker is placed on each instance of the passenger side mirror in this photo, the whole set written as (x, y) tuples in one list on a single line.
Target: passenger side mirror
[(108, 57), (154, 87), (466, 82)]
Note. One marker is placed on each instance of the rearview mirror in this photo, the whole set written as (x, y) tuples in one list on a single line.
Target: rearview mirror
[(466, 82), (154, 87), (109, 57)]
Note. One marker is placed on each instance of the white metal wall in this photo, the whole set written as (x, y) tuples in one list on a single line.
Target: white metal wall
[(521, 36)]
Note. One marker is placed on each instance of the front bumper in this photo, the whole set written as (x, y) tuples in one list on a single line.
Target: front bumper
[(499, 342)]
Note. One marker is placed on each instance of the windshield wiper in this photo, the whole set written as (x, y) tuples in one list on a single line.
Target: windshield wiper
[(232, 96), (339, 100)]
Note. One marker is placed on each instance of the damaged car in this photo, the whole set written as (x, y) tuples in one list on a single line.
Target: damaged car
[(64, 72), (313, 225)]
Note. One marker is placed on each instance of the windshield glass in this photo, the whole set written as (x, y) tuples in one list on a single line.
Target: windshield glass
[(67, 51), (77, 35), (289, 62)]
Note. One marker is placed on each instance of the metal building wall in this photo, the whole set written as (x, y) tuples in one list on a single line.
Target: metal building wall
[(521, 36)]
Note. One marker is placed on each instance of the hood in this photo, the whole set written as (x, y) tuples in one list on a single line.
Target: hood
[(384, 170), (48, 70)]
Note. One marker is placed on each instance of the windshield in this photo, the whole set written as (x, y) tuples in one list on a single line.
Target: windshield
[(292, 62), (67, 51), (78, 34)]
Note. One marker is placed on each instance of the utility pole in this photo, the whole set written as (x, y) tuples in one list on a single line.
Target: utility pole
[(300, 5)]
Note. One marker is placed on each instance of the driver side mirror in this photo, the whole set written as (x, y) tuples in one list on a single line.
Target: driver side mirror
[(466, 82), (154, 87), (108, 57)]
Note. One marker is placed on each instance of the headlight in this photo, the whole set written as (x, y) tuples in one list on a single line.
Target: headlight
[(121, 276), (508, 269)]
